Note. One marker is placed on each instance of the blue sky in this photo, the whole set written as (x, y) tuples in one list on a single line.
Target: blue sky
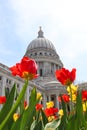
[(64, 23)]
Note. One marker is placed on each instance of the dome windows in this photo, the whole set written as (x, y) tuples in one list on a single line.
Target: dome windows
[(50, 54), (41, 53), (30, 54), (35, 54), (45, 54)]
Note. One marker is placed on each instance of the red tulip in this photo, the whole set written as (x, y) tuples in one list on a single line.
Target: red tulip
[(25, 104), (39, 107), (26, 69), (2, 99), (65, 76), (64, 97), (84, 95), (50, 111)]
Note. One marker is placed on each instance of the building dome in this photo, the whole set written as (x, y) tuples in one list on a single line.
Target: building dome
[(41, 42), (44, 53)]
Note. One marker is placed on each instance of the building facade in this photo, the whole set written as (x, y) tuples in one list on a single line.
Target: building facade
[(44, 53)]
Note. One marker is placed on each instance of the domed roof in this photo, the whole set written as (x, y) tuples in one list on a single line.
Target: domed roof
[(41, 42)]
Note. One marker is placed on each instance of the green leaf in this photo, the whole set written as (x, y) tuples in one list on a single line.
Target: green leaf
[(8, 125), (32, 96), (33, 125), (71, 123), (36, 125), (15, 106), (28, 114), (21, 106), (79, 111), (44, 118), (6, 92), (62, 125), (8, 105), (16, 125), (53, 125)]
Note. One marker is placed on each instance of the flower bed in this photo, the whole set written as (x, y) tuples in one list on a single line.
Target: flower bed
[(17, 114)]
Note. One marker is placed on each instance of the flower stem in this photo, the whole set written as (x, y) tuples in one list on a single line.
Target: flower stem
[(71, 107)]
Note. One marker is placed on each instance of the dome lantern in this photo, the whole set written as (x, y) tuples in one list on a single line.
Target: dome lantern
[(40, 33)]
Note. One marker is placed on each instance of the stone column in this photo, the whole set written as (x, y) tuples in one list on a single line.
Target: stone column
[(12, 83), (38, 67), (44, 100), (3, 85), (57, 103), (49, 97), (54, 67)]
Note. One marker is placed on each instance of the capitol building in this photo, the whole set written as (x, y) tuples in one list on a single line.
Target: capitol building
[(44, 53)]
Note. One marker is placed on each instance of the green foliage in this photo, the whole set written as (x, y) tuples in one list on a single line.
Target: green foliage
[(44, 118), (16, 125), (37, 125), (53, 125), (30, 119), (14, 107), (27, 117), (75, 120), (25, 121), (8, 105)]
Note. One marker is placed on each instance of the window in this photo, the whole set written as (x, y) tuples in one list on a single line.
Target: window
[(7, 91), (0, 77), (41, 72), (41, 53), (35, 54), (42, 102), (52, 68), (47, 99), (50, 54), (7, 81), (45, 54), (52, 97), (60, 67), (17, 85)]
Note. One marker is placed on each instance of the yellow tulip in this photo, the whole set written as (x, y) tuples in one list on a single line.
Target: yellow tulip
[(84, 105), (61, 113), (50, 104), (73, 90), (15, 116), (39, 96)]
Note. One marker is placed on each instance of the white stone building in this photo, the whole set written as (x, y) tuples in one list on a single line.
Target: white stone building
[(47, 59)]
